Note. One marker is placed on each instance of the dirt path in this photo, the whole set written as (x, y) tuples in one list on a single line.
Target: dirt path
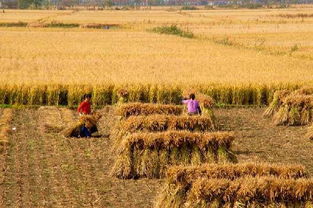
[(43, 169)]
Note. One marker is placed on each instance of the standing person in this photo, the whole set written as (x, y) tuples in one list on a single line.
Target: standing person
[(85, 106), (193, 106)]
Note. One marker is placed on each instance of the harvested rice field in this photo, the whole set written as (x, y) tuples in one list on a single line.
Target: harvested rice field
[(44, 169)]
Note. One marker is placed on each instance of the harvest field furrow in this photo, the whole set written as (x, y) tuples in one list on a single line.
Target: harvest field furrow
[(44, 169)]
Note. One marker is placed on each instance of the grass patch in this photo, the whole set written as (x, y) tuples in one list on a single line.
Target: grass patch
[(189, 8), (173, 30), (101, 26), (13, 24), (62, 25)]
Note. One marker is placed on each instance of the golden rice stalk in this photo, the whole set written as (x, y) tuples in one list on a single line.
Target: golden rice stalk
[(123, 166), (135, 109), (183, 177), (166, 122), (196, 156), (87, 120), (152, 153), (150, 166), (164, 158), (5, 126), (276, 102), (187, 174), (281, 117), (295, 110), (262, 190), (179, 138)]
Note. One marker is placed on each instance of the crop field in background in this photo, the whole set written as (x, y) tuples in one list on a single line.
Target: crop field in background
[(236, 56)]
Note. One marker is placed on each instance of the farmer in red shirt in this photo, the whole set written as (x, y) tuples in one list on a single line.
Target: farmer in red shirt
[(85, 107)]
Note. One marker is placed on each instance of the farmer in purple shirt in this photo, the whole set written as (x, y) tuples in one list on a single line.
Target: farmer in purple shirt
[(192, 105)]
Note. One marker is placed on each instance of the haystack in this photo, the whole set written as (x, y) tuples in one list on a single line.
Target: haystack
[(291, 107), (251, 192), (164, 123), (276, 102), (295, 110), (149, 154), (89, 121), (180, 179), (155, 123), (136, 109)]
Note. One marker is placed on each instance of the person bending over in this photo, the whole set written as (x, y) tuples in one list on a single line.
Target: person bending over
[(85, 106), (84, 109), (193, 106)]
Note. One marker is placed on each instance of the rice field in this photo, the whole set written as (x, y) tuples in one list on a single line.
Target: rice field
[(233, 56), (149, 152)]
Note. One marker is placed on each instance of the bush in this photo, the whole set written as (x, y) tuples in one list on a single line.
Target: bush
[(189, 8), (173, 30)]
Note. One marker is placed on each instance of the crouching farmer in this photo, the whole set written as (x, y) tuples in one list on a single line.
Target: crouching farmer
[(84, 109), (193, 106), (87, 124)]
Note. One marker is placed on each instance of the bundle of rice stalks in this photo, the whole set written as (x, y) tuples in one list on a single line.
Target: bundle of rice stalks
[(89, 121), (180, 179), (276, 102), (295, 110), (149, 154), (164, 123), (5, 124), (251, 192), (154, 123), (135, 109)]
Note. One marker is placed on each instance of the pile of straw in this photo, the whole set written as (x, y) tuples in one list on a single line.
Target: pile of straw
[(5, 126), (276, 102), (291, 107), (89, 121), (295, 110), (163, 123), (180, 180), (251, 192), (136, 109), (149, 154)]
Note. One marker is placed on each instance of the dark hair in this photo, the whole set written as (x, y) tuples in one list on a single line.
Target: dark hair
[(87, 96), (192, 96)]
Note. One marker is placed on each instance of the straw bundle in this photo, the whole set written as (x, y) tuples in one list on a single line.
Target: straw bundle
[(135, 109), (89, 121), (149, 154), (251, 192), (154, 123), (180, 179), (164, 123), (291, 107), (295, 110), (5, 124), (276, 103)]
